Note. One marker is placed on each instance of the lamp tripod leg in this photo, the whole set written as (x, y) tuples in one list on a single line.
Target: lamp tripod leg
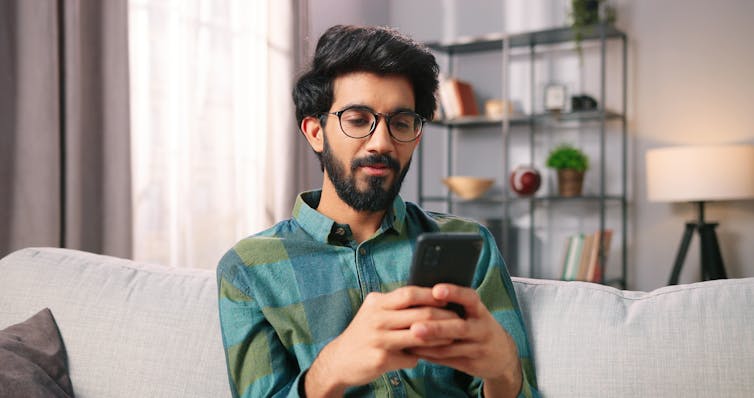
[(681, 256), (712, 260)]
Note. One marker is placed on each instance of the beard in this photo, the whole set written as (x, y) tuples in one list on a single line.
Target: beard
[(375, 197)]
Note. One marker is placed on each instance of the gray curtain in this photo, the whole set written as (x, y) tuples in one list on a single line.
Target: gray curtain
[(294, 168), (64, 125)]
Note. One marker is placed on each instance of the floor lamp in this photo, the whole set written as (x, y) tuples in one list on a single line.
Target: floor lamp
[(700, 174)]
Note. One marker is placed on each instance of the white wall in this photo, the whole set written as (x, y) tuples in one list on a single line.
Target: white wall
[(690, 82), (326, 13)]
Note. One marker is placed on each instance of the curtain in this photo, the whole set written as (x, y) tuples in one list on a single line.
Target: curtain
[(215, 147), (64, 121)]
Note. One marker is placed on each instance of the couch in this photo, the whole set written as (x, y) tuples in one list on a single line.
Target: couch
[(138, 330)]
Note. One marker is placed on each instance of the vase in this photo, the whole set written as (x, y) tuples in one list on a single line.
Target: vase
[(570, 182)]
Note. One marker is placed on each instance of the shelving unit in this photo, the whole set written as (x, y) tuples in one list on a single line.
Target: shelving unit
[(537, 124)]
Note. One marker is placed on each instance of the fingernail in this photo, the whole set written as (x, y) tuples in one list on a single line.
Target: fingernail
[(442, 292), (419, 329)]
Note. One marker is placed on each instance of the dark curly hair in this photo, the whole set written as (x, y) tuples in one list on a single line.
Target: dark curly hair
[(344, 49)]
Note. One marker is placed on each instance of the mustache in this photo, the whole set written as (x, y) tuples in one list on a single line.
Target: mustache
[(376, 159)]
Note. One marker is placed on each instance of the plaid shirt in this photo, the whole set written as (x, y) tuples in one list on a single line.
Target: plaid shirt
[(288, 291)]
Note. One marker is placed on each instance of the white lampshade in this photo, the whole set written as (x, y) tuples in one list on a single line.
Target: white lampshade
[(700, 173)]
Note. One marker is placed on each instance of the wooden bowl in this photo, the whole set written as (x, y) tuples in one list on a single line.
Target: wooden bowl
[(468, 187)]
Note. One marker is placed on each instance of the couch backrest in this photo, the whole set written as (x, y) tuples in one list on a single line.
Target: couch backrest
[(589, 340), (130, 329), (140, 330)]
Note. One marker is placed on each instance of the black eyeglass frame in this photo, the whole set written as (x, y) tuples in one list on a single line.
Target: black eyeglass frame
[(386, 116)]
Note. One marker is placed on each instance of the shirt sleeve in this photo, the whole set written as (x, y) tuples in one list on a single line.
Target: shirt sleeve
[(258, 364), (495, 288)]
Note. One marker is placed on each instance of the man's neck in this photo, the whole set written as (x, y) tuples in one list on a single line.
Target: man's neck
[(363, 223)]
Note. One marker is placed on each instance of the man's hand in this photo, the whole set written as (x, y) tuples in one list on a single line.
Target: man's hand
[(481, 347), (377, 339)]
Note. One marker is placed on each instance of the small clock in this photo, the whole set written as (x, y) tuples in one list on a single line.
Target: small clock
[(555, 98)]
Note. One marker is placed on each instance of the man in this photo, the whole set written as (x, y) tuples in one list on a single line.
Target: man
[(318, 305)]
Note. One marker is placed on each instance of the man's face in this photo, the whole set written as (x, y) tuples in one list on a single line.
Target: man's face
[(367, 173)]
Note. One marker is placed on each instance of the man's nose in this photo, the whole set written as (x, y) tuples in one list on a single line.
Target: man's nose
[(380, 141)]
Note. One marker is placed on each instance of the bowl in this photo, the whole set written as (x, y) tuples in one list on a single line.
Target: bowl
[(468, 187)]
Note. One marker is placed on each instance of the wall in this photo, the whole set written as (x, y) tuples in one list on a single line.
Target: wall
[(690, 82)]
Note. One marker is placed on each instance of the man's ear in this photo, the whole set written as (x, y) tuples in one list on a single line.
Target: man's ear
[(314, 133)]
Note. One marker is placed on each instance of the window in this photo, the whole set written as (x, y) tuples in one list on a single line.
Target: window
[(199, 117)]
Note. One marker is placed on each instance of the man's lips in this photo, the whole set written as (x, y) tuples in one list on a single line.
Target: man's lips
[(376, 169), (376, 166)]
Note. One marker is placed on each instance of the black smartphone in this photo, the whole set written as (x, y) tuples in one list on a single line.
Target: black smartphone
[(445, 257)]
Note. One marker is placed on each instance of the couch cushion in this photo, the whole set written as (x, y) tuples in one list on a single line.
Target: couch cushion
[(32, 359), (130, 329), (590, 340)]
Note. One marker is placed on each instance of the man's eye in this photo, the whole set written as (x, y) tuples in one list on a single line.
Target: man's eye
[(402, 123), (401, 126), (357, 122)]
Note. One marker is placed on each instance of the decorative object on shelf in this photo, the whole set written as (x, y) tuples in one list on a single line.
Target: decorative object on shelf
[(495, 108), (584, 14), (467, 187), (571, 164), (555, 98), (583, 103), (457, 99), (570, 182), (525, 180), (700, 174)]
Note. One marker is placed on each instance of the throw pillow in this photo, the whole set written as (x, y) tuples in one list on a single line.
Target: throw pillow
[(33, 361)]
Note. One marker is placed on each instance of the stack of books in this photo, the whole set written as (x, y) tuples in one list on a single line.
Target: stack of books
[(457, 99), (581, 256)]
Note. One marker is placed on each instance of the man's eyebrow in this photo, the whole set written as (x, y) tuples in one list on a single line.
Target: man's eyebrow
[(400, 109), (364, 106)]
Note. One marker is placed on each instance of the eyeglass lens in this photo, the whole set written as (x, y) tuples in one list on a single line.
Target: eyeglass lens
[(358, 123)]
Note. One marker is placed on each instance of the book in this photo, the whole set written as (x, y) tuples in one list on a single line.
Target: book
[(445, 92), (564, 261), (586, 252), (594, 258), (594, 274), (574, 256), (457, 98)]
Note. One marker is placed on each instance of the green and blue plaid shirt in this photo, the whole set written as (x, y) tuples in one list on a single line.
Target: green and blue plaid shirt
[(288, 291)]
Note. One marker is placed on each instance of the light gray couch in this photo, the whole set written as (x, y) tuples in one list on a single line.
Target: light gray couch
[(139, 330)]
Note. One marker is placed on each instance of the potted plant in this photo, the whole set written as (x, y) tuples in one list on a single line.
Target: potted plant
[(584, 14), (571, 164)]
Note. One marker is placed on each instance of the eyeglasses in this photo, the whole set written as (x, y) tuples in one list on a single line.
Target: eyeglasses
[(360, 122)]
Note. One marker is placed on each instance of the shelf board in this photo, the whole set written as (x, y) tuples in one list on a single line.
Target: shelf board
[(494, 42), (434, 198), (522, 119), (549, 198), (558, 198)]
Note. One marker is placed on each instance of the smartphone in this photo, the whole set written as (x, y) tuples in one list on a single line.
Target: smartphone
[(445, 257)]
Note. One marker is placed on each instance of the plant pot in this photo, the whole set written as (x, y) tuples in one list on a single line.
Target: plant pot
[(570, 182)]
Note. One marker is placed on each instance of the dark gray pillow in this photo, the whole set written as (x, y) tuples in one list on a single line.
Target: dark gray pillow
[(33, 362)]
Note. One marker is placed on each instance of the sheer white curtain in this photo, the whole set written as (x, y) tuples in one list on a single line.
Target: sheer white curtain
[(207, 124)]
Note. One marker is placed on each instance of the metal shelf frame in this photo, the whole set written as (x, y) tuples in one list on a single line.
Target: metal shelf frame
[(540, 124)]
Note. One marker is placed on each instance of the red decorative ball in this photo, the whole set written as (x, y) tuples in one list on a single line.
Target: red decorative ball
[(525, 180)]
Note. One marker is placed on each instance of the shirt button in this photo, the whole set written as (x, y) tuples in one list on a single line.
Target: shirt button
[(363, 251), (395, 381), (340, 231)]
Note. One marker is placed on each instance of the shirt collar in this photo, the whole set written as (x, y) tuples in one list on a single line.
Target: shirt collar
[(395, 218), (320, 226)]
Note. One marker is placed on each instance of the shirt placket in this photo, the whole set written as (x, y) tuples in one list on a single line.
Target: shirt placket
[(369, 282)]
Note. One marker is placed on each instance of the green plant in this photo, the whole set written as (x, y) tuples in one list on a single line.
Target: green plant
[(584, 14), (565, 156)]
